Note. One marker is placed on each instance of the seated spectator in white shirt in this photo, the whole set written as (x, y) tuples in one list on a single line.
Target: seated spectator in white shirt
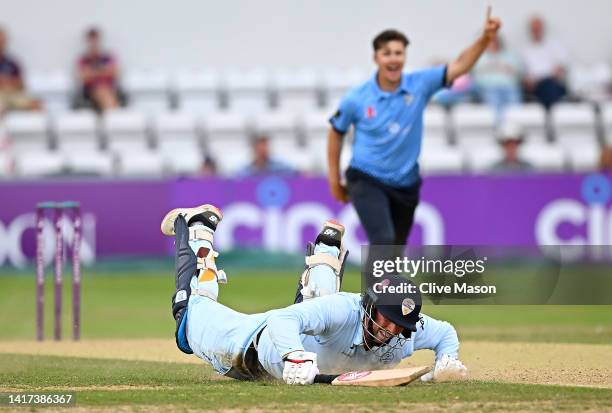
[(263, 163), (510, 138), (545, 63), (497, 76)]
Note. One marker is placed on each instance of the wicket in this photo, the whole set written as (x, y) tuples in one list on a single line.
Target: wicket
[(61, 211)]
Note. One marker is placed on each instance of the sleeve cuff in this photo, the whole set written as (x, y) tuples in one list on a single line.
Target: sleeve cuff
[(341, 132), (445, 83)]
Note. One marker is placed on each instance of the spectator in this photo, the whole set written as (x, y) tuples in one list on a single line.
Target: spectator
[(545, 63), (497, 76), (209, 166), (462, 89), (511, 138), (12, 94), (263, 163), (98, 73), (605, 161)]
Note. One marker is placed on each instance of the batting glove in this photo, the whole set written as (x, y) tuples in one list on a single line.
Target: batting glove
[(447, 368), (300, 367)]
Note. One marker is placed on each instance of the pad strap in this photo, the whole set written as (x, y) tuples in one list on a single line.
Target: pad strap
[(326, 259), (204, 293), (196, 233)]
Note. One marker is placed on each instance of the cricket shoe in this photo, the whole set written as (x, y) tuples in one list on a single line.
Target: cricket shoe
[(331, 234), (208, 215)]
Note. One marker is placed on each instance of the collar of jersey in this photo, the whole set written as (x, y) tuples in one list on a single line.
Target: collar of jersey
[(383, 93)]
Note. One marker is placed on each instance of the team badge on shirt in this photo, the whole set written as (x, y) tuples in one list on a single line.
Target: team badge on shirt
[(408, 99), (370, 112)]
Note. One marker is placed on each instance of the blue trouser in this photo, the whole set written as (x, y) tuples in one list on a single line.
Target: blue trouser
[(386, 213)]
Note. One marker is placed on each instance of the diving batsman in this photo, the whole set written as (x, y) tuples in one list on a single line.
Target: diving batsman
[(325, 331)]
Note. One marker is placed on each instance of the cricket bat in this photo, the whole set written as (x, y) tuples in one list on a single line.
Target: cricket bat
[(374, 378)]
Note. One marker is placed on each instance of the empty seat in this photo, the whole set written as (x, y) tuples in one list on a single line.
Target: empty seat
[(176, 131), (146, 163), (52, 88), (474, 125), (337, 82), (606, 117), (147, 89), (27, 131), (197, 90), (575, 127), (248, 91), (6, 165), (76, 131), (125, 130), (227, 140), (435, 124), (585, 158), (530, 117), (315, 127), (178, 141), (440, 157), (96, 163), (297, 90), (590, 82), (543, 156), (483, 159), (34, 164)]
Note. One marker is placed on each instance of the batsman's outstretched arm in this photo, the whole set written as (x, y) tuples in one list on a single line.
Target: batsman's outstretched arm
[(436, 335), (468, 58)]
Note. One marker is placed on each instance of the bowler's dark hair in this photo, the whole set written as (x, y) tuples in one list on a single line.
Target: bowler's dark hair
[(387, 36)]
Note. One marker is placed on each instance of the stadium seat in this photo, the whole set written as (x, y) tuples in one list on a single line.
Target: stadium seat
[(33, 164), (282, 130), (590, 82), (576, 132), (473, 123), (544, 156), (530, 117), (145, 163), (606, 118), (6, 165), (197, 90), (248, 91), (125, 130), (315, 127), (483, 159), (96, 163), (337, 82), (27, 131), (227, 140), (52, 88), (435, 124), (178, 141), (147, 90), (297, 90), (76, 131), (439, 157)]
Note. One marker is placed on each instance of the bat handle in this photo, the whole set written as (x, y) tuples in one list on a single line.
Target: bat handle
[(325, 378)]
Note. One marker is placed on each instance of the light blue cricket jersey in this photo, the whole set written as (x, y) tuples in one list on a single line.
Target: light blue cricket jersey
[(389, 125), (330, 326)]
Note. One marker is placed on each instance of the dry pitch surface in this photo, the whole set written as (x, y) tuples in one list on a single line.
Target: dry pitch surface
[(536, 363)]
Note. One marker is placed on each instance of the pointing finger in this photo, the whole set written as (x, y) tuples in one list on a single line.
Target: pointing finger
[(488, 12)]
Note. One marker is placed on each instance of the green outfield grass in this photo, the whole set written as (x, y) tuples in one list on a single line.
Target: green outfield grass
[(136, 304), (116, 383)]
